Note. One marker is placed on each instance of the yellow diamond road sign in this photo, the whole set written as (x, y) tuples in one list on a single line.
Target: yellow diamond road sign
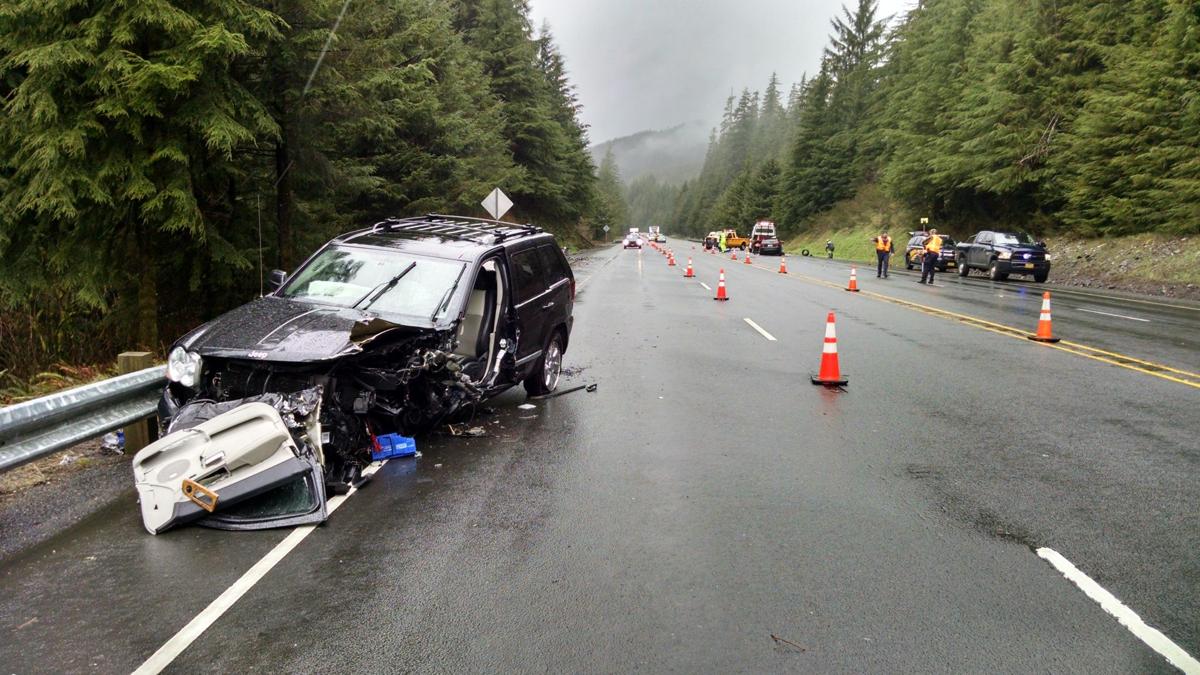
[(497, 203)]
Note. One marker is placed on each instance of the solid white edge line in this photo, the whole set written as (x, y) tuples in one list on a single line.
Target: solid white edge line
[(172, 648), (1119, 316), (1153, 638), (760, 330), (706, 286)]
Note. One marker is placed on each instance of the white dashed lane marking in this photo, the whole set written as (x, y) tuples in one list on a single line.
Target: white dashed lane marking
[(760, 330), (1119, 316)]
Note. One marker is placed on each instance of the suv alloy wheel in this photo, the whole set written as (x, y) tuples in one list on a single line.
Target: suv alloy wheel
[(544, 378)]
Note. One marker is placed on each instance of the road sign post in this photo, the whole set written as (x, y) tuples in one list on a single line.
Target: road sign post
[(137, 435), (606, 229)]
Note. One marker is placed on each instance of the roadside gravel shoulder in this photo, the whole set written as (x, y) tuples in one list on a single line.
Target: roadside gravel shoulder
[(42, 498)]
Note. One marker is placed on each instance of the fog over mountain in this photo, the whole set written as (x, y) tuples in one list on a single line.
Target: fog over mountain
[(672, 155), (654, 64)]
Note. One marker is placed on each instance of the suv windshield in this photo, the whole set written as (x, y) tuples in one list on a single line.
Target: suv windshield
[(1013, 238), (347, 276)]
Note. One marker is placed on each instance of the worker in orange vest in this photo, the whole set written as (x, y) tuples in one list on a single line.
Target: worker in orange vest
[(933, 251), (883, 251)]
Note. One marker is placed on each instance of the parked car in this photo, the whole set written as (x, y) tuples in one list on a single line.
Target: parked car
[(1002, 254), (916, 248), (395, 327), (632, 241), (711, 239), (770, 245)]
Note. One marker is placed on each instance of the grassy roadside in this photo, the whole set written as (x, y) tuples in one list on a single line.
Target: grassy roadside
[(1167, 266), (58, 377)]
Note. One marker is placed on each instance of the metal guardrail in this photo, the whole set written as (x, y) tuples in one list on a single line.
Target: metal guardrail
[(36, 428)]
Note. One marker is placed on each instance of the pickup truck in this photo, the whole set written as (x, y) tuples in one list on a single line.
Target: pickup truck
[(1002, 254), (733, 240)]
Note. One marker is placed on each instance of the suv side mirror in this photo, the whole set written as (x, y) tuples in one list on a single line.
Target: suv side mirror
[(275, 280)]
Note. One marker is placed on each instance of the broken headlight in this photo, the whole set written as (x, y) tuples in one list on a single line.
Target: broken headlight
[(183, 367)]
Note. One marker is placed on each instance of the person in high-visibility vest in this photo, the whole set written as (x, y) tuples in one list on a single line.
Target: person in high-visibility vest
[(883, 252), (721, 242), (933, 251)]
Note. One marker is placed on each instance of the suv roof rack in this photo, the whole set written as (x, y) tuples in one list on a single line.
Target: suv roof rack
[(480, 230)]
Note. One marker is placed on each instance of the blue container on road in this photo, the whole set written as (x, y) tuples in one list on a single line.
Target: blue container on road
[(391, 446)]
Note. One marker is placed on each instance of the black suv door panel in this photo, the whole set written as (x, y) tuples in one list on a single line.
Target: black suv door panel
[(558, 278), (533, 301)]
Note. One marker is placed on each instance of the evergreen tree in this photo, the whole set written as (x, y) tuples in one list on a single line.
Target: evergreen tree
[(548, 150), (1134, 152), (762, 199), (116, 110), (611, 209)]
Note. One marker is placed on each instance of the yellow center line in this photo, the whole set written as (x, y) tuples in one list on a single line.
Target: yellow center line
[(1113, 358)]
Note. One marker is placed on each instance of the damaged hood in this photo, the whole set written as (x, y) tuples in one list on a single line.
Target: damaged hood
[(279, 329)]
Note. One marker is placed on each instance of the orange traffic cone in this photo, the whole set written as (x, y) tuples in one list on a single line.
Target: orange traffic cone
[(689, 273), (1045, 332), (733, 256), (853, 287), (747, 257), (830, 375), (782, 265), (721, 288), (670, 260)]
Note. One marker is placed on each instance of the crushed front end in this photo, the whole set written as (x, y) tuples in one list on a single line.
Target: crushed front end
[(400, 380)]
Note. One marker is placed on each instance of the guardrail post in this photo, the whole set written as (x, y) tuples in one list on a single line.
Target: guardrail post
[(137, 435)]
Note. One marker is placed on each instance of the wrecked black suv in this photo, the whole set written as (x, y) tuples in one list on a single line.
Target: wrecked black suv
[(396, 328)]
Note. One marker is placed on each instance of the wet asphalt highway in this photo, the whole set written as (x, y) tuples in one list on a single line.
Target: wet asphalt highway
[(707, 497)]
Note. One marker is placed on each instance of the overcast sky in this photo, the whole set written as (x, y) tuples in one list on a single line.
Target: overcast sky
[(652, 64)]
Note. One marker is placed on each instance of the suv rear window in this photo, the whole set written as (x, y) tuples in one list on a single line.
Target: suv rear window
[(553, 264), (528, 274)]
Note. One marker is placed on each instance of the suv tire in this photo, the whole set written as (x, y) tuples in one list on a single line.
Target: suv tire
[(1041, 277), (545, 376), (963, 270)]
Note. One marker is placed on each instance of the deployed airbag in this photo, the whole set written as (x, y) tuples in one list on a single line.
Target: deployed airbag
[(196, 473)]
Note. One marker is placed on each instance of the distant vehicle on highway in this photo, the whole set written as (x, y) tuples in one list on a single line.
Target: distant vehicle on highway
[(763, 239), (1002, 254), (656, 235), (711, 240), (916, 248), (632, 241)]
